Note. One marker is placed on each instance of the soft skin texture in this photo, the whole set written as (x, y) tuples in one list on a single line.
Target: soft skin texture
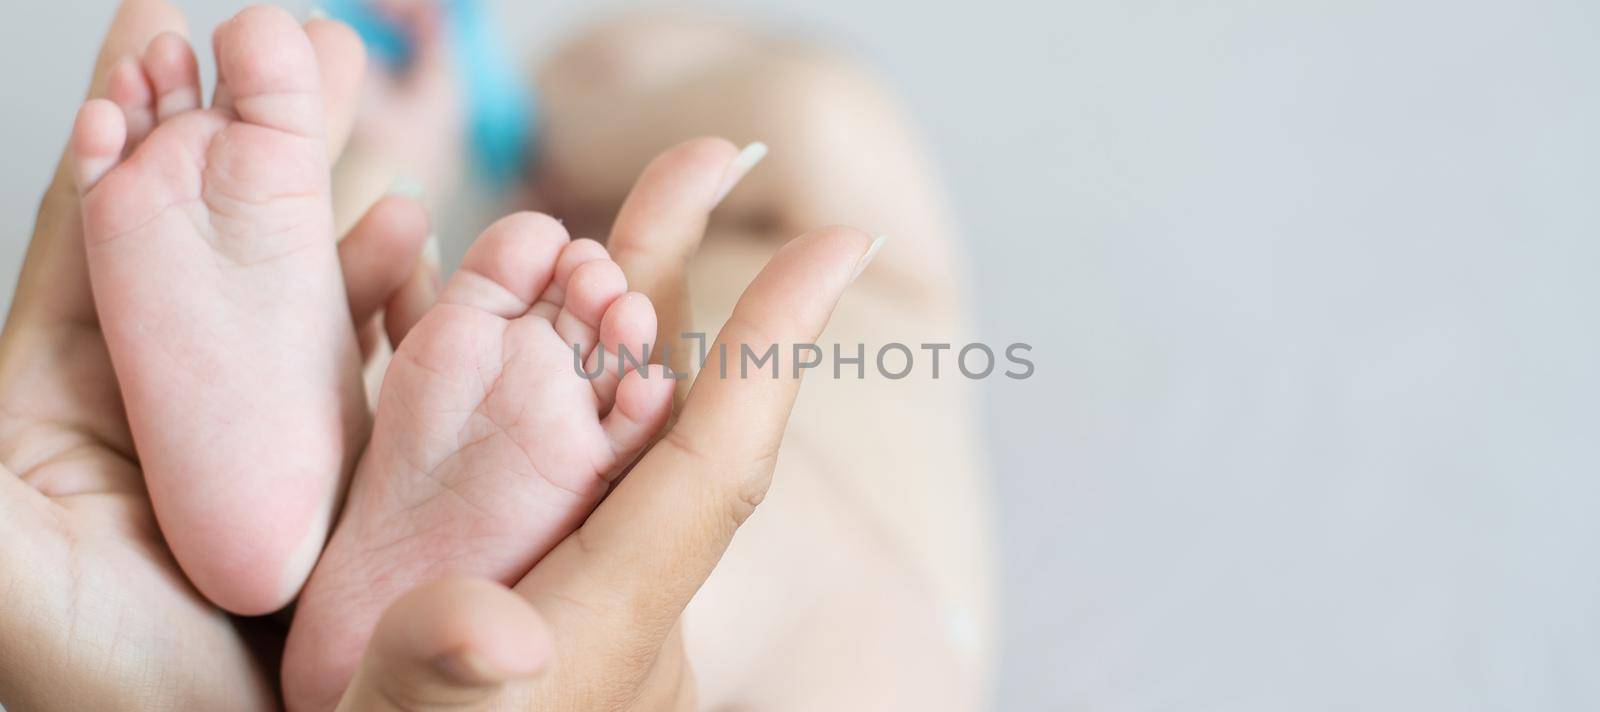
[(878, 517), (489, 447), (97, 613), (617, 652), (217, 279), (608, 598)]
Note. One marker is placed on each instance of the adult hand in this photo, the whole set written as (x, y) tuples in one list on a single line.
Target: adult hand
[(594, 624), (96, 614)]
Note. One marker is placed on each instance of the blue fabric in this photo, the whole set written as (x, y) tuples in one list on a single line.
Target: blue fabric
[(500, 107)]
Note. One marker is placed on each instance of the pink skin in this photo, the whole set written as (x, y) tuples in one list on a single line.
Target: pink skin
[(488, 448), (217, 282)]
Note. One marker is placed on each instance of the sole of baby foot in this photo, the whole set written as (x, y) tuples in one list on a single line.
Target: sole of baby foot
[(492, 442), (217, 282)]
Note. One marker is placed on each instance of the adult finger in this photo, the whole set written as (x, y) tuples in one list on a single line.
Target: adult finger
[(662, 222), (54, 283), (414, 298), (448, 645), (380, 253), (654, 540)]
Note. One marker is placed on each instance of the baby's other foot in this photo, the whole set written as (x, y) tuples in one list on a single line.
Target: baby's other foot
[(217, 282), (489, 447)]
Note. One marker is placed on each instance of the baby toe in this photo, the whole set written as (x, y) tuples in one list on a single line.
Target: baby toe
[(269, 69), (174, 75), (577, 253), (128, 87), (590, 292), (627, 334), (644, 400), (508, 266)]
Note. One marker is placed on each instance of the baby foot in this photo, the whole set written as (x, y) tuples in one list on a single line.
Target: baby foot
[(217, 282), (488, 447)]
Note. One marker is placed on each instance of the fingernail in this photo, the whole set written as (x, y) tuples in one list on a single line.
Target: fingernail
[(742, 163), (316, 13), (406, 187), (430, 263), (866, 258), (430, 252)]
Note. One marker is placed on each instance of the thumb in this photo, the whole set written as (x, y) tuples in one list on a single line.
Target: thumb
[(449, 645)]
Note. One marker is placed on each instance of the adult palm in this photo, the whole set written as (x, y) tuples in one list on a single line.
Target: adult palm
[(97, 613)]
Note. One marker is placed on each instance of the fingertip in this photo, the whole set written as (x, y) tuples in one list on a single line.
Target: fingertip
[(471, 631), (867, 257), (709, 165), (450, 644), (836, 252), (380, 253), (398, 217), (741, 165), (410, 303), (665, 212), (705, 157), (841, 237), (789, 302)]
